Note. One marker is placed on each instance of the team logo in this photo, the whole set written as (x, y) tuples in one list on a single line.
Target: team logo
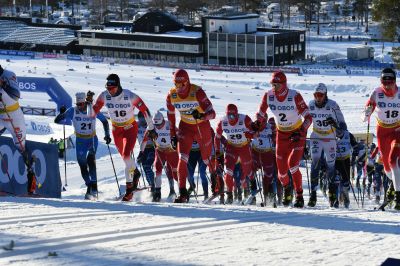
[(381, 105), (381, 95), (290, 99), (271, 97)]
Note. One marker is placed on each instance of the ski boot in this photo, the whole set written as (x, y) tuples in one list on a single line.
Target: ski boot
[(299, 202), (346, 197), (87, 194), (183, 196), (171, 195), (229, 198), (313, 199), (157, 194), (128, 192), (205, 195), (222, 198), (131, 186), (397, 201), (287, 196), (191, 189), (333, 202)]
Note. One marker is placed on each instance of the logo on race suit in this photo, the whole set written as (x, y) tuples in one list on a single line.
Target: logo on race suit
[(16, 167), (271, 97), (381, 105), (240, 123), (312, 108), (126, 98), (118, 105), (174, 95), (381, 95), (192, 94), (108, 97), (272, 107), (225, 124), (185, 105), (29, 86), (290, 99)]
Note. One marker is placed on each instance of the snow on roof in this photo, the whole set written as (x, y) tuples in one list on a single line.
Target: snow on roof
[(175, 34)]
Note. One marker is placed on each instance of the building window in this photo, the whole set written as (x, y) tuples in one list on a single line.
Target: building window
[(300, 47), (277, 50), (286, 49), (281, 49), (295, 48)]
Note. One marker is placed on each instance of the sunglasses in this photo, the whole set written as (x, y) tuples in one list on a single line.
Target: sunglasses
[(388, 81), (319, 95)]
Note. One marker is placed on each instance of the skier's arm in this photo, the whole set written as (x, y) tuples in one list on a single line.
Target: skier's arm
[(171, 116), (144, 141), (139, 104), (303, 111), (369, 107), (262, 110), (61, 117), (98, 104), (104, 121), (205, 104), (338, 114), (217, 139)]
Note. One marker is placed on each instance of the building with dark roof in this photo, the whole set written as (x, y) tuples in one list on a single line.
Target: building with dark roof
[(154, 36)]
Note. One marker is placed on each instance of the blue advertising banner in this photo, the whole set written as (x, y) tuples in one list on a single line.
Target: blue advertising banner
[(49, 86), (17, 53), (13, 178), (74, 57)]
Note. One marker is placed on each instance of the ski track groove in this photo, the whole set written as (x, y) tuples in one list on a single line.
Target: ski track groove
[(52, 219), (116, 235)]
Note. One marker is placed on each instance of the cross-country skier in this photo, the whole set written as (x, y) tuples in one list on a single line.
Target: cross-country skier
[(264, 159), (238, 129), (146, 158), (195, 111), (12, 119), (86, 139), (121, 104), (195, 160), (288, 108), (164, 155), (385, 100), (344, 149), (326, 116)]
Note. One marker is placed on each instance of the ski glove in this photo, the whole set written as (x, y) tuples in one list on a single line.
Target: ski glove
[(140, 157), (63, 109), (197, 115), (367, 113), (255, 126), (107, 139), (89, 97), (152, 134), (332, 122), (295, 137), (174, 142)]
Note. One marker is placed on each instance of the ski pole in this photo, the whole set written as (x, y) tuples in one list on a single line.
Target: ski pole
[(115, 173), (65, 158)]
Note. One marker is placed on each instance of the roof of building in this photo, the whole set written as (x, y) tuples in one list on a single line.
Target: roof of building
[(156, 22), (229, 15)]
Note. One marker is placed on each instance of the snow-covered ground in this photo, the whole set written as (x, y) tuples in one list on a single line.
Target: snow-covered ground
[(108, 232)]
